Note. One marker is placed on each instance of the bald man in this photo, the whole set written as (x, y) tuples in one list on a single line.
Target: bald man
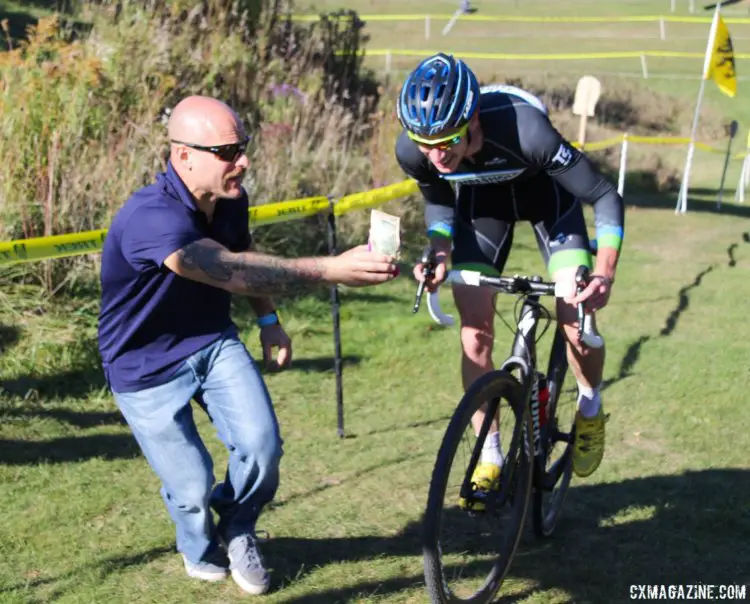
[(174, 254)]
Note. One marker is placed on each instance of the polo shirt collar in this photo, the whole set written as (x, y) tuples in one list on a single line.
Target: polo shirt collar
[(179, 188)]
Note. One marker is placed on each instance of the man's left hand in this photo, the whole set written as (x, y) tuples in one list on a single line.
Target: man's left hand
[(274, 336)]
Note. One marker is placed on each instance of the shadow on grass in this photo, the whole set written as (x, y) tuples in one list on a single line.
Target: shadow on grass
[(68, 449), (75, 383), (633, 353), (322, 364), (733, 247), (9, 336), (631, 356), (79, 419), (679, 529)]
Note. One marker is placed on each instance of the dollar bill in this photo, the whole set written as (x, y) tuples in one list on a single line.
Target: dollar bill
[(385, 233)]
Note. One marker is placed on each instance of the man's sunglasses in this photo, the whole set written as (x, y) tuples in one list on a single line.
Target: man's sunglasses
[(443, 143), (227, 153)]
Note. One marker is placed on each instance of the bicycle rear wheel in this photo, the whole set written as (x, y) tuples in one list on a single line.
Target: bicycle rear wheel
[(553, 473), (468, 562)]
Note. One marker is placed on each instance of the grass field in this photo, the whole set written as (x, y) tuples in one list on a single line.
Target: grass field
[(81, 520)]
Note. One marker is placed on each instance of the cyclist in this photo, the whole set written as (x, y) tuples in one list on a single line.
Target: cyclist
[(508, 163)]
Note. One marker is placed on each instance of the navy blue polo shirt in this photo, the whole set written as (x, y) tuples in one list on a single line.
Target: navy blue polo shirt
[(151, 319)]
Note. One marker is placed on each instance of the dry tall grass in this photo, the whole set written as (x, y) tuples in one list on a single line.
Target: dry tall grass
[(82, 115)]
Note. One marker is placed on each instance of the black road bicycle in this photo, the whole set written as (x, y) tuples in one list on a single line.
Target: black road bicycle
[(467, 563)]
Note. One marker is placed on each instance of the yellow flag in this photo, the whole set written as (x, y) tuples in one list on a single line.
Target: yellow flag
[(721, 64)]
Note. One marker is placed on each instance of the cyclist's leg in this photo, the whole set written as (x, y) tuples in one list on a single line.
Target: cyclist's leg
[(563, 239), (482, 242)]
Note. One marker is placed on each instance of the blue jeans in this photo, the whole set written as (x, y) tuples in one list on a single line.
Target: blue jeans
[(225, 381)]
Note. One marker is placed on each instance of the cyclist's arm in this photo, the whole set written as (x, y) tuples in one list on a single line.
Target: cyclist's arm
[(547, 149), (440, 200)]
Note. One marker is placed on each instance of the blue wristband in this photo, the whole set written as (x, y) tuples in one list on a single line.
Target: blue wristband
[(270, 319)]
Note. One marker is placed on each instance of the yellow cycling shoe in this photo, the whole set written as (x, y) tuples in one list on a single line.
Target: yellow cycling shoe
[(588, 449), (486, 477)]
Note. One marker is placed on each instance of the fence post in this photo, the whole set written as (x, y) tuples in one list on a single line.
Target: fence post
[(662, 29), (672, 5), (733, 126), (644, 67), (451, 23), (623, 165), (427, 27), (388, 61), (337, 361), (739, 194)]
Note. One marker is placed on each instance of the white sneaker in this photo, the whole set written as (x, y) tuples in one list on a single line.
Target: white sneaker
[(205, 571)]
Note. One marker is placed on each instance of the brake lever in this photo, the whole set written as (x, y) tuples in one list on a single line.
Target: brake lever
[(587, 335), (582, 281), (428, 262)]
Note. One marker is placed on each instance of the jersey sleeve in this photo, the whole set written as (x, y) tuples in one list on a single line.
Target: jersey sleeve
[(440, 200), (544, 147)]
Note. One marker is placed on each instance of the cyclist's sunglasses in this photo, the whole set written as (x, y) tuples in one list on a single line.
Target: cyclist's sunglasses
[(442, 142), (227, 153)]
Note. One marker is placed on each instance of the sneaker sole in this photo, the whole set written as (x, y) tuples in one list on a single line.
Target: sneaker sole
[(251, 588), (211, 577)]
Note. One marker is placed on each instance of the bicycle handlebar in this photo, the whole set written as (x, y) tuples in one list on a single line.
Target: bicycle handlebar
[(509, 285)]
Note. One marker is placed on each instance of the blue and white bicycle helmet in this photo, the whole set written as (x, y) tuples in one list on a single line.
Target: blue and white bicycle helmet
[(440, 94)]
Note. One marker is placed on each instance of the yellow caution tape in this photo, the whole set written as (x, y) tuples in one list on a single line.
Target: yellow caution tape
[(568, 56), (284, 211), (529, 19), (598, 145), (75, 244), (56, 246), (376, 197)]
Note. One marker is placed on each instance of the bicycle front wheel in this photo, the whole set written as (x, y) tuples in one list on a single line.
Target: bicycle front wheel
[(470, 537)]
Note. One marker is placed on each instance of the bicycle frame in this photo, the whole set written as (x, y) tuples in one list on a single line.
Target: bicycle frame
[(523, 357)]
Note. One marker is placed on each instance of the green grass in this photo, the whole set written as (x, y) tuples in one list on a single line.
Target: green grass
[(81, 520)]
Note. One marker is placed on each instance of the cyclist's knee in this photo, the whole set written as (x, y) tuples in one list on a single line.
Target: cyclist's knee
[(477, 312), (567, 319)]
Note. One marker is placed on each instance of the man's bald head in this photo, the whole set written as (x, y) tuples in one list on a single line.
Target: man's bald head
[(208, 148), (204, 121)]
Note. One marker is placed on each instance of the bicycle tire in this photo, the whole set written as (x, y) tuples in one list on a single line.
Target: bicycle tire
[(544, 514), (494, 385)]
